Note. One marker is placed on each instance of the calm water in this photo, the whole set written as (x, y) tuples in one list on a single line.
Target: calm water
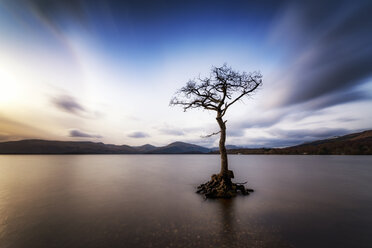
[(149, 201)]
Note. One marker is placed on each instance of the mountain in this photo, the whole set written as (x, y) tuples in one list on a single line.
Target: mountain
[(86, 147), (229, 147), (351, 144), (179, 148), (144, 148), (62, 147)]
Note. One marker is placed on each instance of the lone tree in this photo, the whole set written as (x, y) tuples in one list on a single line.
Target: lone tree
[(218, 92)]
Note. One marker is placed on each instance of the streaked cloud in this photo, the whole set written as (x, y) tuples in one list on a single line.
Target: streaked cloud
[(291, 137), (337, 99), (72, 105), (68, 104), (309, 134), (11, 129), (138, 135), (331, 53), (171, 131), (80, 134)]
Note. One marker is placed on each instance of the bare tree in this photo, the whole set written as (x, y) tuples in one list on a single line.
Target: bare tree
[(218, 92)]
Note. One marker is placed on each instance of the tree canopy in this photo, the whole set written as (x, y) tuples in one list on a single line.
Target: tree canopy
[(219, 91)]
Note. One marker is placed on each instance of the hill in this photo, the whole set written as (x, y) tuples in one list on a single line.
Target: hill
[(86, 147), (351, 144), (144, 148), (179, 148), (62, 147)]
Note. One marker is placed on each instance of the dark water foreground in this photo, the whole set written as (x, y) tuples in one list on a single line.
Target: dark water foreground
[(149, 201)]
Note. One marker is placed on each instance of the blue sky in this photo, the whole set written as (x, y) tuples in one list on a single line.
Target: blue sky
[(106, 70)]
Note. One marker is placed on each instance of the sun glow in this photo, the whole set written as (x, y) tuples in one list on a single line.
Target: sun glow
[(8, 88)]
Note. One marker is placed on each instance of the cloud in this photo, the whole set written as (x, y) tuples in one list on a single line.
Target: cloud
[(12, 129), (170, 131), (68, 104), (326, 61), (54, 11), (285, 138), (205, 142), (80, 134), (235, 132), (265, 119), (338, 98), (330, 52), (71, 105), (312, 108), (346, 119), (271, 143), (306, 134), (138, 135)]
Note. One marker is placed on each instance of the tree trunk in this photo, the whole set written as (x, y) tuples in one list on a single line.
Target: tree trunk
[(220, 185), (224, 164)]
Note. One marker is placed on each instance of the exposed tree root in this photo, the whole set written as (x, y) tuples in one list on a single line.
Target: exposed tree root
[(221, 186)]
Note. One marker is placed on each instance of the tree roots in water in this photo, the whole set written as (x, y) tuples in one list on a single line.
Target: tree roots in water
[(221, 186)]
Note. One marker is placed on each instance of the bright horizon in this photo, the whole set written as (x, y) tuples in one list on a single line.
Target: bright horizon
[(71, 70)]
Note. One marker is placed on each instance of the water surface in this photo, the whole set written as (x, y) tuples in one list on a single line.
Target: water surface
[(149, 201)]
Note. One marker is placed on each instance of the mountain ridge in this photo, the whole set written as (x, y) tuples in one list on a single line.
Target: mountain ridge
[(350, 144), (38, 146)]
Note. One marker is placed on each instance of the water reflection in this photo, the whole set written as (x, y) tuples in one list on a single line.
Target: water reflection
[(149, 201), (228, 230)]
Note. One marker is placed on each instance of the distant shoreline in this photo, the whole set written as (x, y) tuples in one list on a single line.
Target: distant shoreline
[(175, 154), (351, 144)]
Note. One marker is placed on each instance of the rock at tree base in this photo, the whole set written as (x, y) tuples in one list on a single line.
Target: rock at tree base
[(220, 186)]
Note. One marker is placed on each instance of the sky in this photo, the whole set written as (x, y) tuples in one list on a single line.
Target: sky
[(105, 71)]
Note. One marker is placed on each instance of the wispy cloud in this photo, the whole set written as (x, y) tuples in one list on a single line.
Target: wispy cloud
[(306, 134), (68, 104), (271, 142), (289, 137), (80, 134), (138, 135), (71, 105), (205, 142), (172, 131), (235, 133), (329, 56), (54, 11), (264, 120), (337, 98), (13, 129)]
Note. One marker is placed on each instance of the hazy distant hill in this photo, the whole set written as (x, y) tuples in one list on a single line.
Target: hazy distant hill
[(179, 147), (351, 144), (229, 147), (73, 147), (144, 148), (62, 147)]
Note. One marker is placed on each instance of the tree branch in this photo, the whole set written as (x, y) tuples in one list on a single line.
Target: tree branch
[(212, 92), (210, 135)]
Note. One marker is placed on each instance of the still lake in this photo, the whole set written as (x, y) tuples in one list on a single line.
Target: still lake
[(149, 201)]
